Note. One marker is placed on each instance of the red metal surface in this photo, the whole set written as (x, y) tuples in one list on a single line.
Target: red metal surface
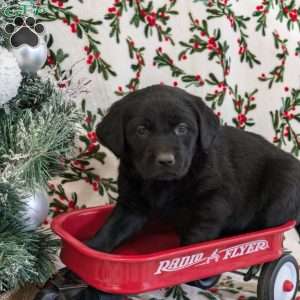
[(153, 259)]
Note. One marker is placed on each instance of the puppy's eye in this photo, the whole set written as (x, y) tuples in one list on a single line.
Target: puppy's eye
[(181, 129), (142, 130)]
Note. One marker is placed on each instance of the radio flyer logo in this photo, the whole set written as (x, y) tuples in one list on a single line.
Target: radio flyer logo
[(179, 263)]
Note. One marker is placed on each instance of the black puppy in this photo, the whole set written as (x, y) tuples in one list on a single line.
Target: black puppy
[(178, 164)]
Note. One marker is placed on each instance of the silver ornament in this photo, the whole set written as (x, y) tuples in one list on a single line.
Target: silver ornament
[(31, 59), (35, 210)]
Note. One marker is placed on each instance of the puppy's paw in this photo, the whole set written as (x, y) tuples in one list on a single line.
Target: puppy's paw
[(94, 244), (91, 244)]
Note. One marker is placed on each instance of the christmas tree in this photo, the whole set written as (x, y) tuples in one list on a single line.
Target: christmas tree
[(37, 128)]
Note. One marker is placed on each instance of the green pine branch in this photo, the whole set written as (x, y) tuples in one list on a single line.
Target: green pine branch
[(36, 141), (25, 256)]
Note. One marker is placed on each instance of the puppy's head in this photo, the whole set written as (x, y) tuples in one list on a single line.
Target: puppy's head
[(158, 130)]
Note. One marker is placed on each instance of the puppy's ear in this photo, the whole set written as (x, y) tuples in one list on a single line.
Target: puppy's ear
[(208, 122), (110, 131)]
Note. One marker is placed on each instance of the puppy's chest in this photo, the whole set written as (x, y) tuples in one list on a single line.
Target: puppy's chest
[(163, 202)]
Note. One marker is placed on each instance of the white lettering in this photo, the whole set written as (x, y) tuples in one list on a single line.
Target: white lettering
[(178, 263)]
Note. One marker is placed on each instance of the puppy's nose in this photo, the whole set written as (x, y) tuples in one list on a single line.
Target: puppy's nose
[(165, 159)]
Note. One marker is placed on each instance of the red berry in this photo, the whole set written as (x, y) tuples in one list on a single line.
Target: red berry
[(91, 147), (76, 162), (196, 45), (111, 9), (73, 27), (286, 89), (285, 10), (293, 15), (88, 119), (97, 55), (175, 83), (62, 197), (197, 77), (120, 89), (76, 20), (151, 21), (242, 119), (214, 290), (95, 186), (50, 60), (51, 186), (71, 204), (143, 13)]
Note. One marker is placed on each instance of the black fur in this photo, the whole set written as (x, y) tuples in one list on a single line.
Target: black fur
[(206, 179)]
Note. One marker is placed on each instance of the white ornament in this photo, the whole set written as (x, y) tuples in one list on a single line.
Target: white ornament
[(10, 76), (36, 210)]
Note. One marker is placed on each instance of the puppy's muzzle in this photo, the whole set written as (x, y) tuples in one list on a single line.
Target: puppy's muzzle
[(165, 159)]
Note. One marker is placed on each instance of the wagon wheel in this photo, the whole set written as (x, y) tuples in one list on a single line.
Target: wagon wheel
[(47, 294), (63, 285), (93, 294), (279, 279), (205, 283)]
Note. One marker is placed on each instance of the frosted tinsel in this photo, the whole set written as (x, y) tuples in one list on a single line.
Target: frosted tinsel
[(10, 76), (68, 83)]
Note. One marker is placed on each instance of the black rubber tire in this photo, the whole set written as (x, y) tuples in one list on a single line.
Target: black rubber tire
[(47, 294), (93, 294), (205, 283), (266, 281)]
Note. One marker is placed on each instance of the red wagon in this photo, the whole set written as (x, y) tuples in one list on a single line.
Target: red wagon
[(153, 259)]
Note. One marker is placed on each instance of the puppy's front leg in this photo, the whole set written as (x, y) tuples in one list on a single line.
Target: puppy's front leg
[(207, 221), (121, 225)]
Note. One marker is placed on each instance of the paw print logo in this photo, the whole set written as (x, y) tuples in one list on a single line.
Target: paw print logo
[(27, 43)]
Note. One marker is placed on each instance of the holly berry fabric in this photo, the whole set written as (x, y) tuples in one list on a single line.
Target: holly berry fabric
[(241, 57)]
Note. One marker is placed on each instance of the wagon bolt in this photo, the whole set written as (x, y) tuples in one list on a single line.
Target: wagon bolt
[(287, 286)]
